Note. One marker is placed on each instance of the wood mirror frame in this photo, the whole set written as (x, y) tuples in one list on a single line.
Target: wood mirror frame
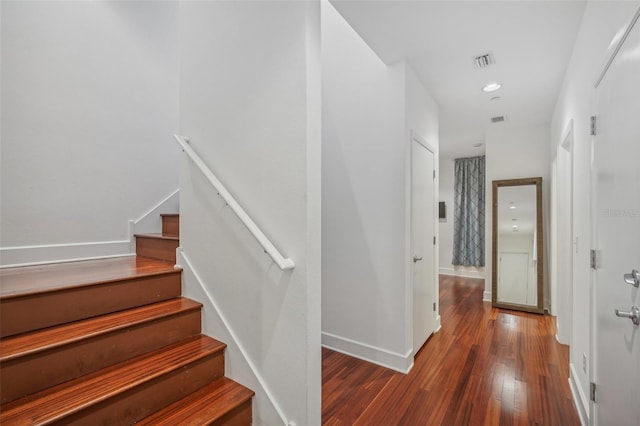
[(539, 307)]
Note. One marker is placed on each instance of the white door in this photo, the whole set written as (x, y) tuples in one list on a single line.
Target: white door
[(422, 236), (616, 215), (513, 278)]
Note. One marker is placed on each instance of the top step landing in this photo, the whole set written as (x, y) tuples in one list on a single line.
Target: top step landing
[(36, 297), (15, 282)]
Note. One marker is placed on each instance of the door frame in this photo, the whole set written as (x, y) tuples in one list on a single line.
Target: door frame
[(415, 137), (564, 243)]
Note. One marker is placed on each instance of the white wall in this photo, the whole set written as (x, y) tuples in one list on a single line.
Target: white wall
[(447, 191), (368, 109), (601, 21), (89, 103), (249, 99), (421, 110), (516, 152), (363, 193)]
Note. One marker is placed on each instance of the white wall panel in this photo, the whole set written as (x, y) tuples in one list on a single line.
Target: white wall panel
[(89, 104)]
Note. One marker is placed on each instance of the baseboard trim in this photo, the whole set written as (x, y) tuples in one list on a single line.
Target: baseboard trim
[(579, 398), (382, 357), (487, 296), (463, 274), (11, 257), (151, 221)]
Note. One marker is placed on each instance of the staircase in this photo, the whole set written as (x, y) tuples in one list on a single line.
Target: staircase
[(112, 342), (161, 246)]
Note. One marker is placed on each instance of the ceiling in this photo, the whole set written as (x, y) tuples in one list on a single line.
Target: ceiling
[(531, 42)]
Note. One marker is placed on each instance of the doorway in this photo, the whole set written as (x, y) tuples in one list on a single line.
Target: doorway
[(423, 222)]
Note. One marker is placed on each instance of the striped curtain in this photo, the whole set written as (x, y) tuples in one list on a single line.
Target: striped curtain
[(468, 217)]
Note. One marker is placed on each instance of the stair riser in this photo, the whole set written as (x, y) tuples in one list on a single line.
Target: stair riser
[(171, 226), (133, 405), (33, 312), (31, 373), (240, 416), (157, 248)]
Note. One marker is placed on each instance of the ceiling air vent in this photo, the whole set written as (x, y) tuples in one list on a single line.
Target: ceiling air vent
[(483, 61), (499, 119)]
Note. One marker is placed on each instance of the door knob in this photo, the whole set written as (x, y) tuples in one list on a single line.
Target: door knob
[(633, 315), (416, 259), (633, 278)]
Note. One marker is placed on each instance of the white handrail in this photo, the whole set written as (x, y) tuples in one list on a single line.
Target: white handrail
[(269, 248)]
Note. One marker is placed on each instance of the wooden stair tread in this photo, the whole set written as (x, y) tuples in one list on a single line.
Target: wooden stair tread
[(28, 280), (158, 236), (67, 398), (204, 406), (41, 340)]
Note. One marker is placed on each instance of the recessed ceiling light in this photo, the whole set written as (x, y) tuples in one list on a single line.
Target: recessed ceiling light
[(491, 87), (477, 145), (495, 98), (512, 206), (514, 227)]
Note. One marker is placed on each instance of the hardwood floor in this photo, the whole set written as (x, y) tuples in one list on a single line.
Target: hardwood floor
[(484, 367)]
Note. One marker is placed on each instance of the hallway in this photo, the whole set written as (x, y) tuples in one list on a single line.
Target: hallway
[(485, 366)]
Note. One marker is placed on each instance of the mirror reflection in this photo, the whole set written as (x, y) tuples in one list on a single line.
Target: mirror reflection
[(517, 242)]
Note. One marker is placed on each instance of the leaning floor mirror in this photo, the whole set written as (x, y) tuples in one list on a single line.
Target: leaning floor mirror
[(517, 244)]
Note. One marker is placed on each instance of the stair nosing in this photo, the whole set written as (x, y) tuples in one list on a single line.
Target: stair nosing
[(60, 394), (106, 329), (158, 237)]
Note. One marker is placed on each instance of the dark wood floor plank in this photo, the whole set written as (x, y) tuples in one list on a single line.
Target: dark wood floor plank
[(484, 367)]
